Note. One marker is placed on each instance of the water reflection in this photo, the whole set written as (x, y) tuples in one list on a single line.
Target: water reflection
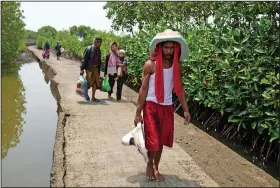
[(13, 100), (44, 69), (29, 163)]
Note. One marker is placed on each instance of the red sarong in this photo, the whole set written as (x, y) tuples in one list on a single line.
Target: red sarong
[(158, 125)]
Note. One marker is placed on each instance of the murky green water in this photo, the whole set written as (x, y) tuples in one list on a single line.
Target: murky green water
[(29, 121)]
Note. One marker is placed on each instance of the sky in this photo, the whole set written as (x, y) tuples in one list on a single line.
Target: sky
[(62, 15)]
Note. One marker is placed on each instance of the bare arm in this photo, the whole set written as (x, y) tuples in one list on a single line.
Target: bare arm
[(120, 64), (148, 68), (182, 97)]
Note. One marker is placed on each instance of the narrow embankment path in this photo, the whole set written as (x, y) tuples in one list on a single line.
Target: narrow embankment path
[(88, 150)]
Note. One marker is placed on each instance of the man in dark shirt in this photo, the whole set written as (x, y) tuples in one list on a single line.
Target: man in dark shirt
[(58, 50), (92, 65), (47, 46)]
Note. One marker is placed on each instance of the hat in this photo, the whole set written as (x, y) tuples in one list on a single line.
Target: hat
[(98, 39), (113, 42), (169, 35), (122, 51)]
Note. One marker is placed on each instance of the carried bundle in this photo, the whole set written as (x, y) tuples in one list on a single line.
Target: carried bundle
[(81, 87)]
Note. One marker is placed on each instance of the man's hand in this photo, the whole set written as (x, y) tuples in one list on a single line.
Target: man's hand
[(187, 116), (137, 119), (82, 72)]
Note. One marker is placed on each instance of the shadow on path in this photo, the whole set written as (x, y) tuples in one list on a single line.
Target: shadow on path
[(101, 102), (170, 181)]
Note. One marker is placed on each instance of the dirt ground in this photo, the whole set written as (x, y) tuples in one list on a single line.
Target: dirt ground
[(223, 165), (88, 151)]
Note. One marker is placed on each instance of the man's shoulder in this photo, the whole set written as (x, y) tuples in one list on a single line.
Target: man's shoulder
[(149, 65), (150, 62), (89, 47)]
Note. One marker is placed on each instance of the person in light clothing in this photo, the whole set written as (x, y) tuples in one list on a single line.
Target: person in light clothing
[(112, 61), (161, 76), (122, 72)]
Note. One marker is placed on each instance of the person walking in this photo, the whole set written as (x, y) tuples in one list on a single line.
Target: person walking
[(112, 61), (58, 50), (122, 72), (161, 75), (92, 65)]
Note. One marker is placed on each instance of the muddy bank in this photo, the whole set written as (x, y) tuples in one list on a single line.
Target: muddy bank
[(25, 57), (57, 173)]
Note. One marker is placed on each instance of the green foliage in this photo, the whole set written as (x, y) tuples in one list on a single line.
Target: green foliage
[(46, 34), (107, 38), (12, 108), (127, 15), (28, 34), (22, 46), (74, 45), (71, 43), (47, 31), (12, 32), (73, 30), (82, 31), (231, 63), (232, 69), (41, 40), (137, 49)]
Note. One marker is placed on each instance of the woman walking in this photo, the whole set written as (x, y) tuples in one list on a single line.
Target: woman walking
[(112, 61)]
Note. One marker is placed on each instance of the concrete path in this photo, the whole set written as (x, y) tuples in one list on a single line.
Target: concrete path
[(88, 150)]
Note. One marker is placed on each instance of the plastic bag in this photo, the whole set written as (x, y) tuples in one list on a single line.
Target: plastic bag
[(82, 88), (139, 140), (105, 85)]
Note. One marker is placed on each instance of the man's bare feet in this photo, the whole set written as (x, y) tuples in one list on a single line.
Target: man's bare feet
[(150, 172), (94, 99), (158, 176)]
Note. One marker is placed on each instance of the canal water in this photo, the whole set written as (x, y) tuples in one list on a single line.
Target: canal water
[(29, 121)]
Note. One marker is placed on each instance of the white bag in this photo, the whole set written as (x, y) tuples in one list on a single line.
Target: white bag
[(139, 139), (81, 88)]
